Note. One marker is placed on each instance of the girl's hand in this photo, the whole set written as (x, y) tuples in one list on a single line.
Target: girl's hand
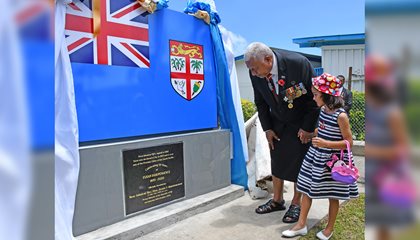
[(319, 142)]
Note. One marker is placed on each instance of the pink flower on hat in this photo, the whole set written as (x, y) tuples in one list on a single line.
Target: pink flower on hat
[(323, 88), (328, 84)]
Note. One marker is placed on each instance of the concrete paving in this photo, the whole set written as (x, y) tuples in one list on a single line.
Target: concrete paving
[(359, 161), (225, 214), (237, 220), (162, 216)]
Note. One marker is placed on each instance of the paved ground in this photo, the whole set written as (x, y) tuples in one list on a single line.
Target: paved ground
[(236, 221)]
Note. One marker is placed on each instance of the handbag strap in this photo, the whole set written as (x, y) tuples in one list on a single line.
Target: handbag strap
[(396, 167), (349, 154)]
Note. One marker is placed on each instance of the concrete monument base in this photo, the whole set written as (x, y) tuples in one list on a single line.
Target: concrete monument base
[(102, 199)]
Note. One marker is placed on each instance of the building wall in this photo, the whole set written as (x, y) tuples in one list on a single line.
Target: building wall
[(316, 64), (396, 36), (244, 82), (336, 60)]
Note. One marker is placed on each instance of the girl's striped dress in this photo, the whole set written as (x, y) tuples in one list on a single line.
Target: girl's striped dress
[(314, 177)]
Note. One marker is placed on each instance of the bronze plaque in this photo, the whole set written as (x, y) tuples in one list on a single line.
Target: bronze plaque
[(153, 176)]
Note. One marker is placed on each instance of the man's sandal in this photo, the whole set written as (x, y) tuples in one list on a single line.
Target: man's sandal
[(292, 215), (271, 206)]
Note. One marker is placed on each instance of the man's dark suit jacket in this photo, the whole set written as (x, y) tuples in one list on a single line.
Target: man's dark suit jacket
[(348, 100), (276, 116)]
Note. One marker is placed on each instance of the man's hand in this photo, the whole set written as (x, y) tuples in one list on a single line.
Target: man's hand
[(271, 136), (305, 136), (318, 142)]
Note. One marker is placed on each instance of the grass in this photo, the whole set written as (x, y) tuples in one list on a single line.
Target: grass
[(350, 223), (411, 233)]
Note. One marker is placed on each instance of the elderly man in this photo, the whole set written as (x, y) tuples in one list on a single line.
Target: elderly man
[(282, 89)]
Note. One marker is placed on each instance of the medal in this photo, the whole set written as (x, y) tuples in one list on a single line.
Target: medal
[(298, 93), (290, 106)]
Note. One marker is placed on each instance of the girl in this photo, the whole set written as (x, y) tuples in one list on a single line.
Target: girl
[(387, 149), (314, 179)]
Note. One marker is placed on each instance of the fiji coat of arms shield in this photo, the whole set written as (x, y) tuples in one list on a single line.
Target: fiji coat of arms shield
[(187, 68)]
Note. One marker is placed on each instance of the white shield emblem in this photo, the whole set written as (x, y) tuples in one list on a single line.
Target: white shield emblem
[(187, 68)]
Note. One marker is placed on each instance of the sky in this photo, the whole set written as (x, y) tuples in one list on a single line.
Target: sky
[(277, 22)]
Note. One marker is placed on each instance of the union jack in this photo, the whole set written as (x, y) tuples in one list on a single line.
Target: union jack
[(123, 39)]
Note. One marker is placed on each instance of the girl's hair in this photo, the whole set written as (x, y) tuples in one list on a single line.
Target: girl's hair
[(332, 102)]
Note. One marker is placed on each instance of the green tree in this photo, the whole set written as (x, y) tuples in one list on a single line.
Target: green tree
[(357, 116), (196, 65), (248, 109), (173, 62), (412, 109), (182, 63), (177, 63)]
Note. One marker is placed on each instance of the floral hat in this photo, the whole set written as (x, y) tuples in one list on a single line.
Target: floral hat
[(328, 84), (380, 71)]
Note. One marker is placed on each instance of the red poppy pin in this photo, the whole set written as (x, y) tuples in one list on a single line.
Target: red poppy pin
[(281, 82)]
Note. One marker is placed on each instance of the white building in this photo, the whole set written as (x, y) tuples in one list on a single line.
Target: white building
[(245, 86), (394, 32), (339, 53)]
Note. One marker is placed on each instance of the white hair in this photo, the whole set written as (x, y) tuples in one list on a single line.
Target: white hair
[(257, 51)]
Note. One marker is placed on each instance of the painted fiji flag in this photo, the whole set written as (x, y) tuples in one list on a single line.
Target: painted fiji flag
[(123, 39)]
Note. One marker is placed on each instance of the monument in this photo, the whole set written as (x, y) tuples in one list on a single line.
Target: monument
[(146, 100)]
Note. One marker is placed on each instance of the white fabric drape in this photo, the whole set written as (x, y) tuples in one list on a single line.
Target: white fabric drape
[(15, 162), (66, 132)]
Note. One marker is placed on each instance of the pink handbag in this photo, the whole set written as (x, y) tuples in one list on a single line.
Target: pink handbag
[(342, 172), (395, 185)]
